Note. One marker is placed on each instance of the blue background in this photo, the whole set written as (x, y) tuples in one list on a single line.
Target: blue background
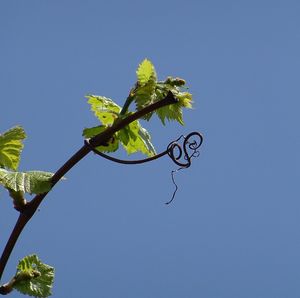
[(233, 229)]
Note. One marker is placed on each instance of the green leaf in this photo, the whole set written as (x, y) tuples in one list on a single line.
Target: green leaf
[(135, 138), (173, 111), (148, 90), (144, 96), (104, 109), (93, 131), (146, 138), (31, 182), (111, 146), (145, 71), (11, 147), (33, 277), (144, 92)]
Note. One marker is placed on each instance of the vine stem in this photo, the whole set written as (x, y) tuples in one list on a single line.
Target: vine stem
[(30, 208)]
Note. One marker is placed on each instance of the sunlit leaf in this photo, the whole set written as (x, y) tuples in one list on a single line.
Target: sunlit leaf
[(104, 108), (93, 131), (145, 71), (147, 90), (135, 138), (11, 147), (33, 277), (144, 92), (31, 182), (111, 146), (174, 111), (144, 96), (146, 138)]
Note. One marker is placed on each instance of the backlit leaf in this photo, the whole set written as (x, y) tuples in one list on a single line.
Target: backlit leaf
[(144, 92), (31, 182), (104, 109), (148, 90), (173, 111), (93, 131), (11, 147), (135, 138), (33, 277), (111, 146), (145, 71)]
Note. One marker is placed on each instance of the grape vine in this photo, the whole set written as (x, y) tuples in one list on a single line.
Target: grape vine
[(119, 126)]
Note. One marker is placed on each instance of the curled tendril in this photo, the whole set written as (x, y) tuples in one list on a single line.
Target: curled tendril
[(191, 144), (189, 149), (180, 155), (174, 146)]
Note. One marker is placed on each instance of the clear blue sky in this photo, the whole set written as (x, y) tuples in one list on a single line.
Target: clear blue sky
[(234, 228)]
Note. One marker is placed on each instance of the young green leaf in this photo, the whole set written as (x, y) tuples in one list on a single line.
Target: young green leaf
[(148, 90), (146, 138), (33, 277), (144, 96), (145, 72), (135, 138), (144, 92), (93, 131), (107, 112), (11, 147), (111, 146), (31, 182), (104, 109), (174, 111)]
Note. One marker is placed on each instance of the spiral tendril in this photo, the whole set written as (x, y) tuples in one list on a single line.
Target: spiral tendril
[(180, 155)]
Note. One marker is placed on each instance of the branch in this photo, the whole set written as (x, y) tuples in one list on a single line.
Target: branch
[(30, 208)]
